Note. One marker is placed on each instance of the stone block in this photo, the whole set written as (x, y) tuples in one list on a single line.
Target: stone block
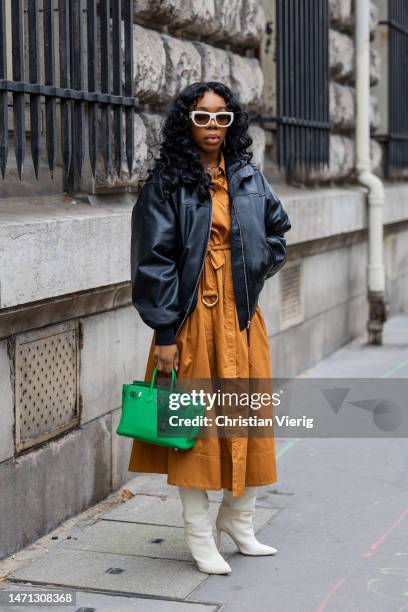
[(302, 346), (112, 181), (341, 163), (258, 145), (237, 22), (215, 64), (341, 56), (115, 350), (154, 124), (183, 66), (193, 17), (246, 80), (376, 155), (252, 23), (333, 289), (240, 22), (228, 19), (157, 11), (342, 15), (343, 107), (149, 63), (46, 242), (341, 157), (375, 116), (342, 160), (375, 66), (374, 15)]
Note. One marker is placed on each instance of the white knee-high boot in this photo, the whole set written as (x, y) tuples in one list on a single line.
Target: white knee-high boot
[(235, 518), (198, 532)]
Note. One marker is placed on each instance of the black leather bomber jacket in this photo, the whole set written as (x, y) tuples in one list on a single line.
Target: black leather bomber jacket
[(169, 239)]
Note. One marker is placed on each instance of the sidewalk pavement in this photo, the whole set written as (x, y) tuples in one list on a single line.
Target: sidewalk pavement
[(128, 552)]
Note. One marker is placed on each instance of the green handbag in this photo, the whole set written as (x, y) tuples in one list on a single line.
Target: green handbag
[(146, 413)]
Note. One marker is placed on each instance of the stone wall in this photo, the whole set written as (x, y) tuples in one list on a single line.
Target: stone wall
[(177, 43)]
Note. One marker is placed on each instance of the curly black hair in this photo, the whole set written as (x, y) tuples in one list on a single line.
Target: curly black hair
[(179, 161)]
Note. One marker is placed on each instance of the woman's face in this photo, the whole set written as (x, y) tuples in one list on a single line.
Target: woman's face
[(210, 138)]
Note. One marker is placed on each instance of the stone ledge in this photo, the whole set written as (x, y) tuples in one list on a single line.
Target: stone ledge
[(59, 248), (53, 246)]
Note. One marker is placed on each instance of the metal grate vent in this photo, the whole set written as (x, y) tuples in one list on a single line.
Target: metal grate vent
[(291, 291), (46, 383)]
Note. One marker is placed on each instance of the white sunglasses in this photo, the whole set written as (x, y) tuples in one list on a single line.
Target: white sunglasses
[(203, 118)]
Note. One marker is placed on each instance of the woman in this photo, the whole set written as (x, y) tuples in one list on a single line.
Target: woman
[(207, 230)]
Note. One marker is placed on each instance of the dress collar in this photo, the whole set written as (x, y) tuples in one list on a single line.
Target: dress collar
[(222, 163), (218, 171)]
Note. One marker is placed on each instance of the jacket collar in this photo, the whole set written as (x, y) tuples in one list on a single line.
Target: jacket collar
[(237, 168)]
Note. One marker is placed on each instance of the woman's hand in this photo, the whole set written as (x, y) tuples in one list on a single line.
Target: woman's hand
[(166, 357)]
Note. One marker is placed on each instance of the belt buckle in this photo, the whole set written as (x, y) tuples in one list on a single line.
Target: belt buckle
[(209, 304)]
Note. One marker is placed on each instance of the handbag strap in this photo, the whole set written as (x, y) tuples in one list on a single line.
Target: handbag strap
[(173, 379)]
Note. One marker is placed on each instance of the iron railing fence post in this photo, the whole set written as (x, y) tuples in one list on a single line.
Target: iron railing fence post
[(79, 95)]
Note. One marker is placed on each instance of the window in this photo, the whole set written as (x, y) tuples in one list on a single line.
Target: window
[(396, 138), (301, 112)]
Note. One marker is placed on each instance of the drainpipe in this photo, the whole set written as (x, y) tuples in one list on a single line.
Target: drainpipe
[(378, 308)]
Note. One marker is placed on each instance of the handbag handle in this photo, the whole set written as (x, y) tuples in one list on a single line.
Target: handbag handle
[(173, 380)]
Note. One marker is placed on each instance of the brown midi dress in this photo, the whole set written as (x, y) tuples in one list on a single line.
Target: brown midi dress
[(211, 345)]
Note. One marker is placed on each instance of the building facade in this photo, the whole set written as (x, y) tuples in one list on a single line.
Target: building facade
[(84, 86)]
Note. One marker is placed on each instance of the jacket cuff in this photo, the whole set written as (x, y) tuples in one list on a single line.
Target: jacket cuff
[(165, 335)]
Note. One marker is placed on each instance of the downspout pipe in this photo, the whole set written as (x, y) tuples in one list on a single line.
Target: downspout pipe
[(378, 309)]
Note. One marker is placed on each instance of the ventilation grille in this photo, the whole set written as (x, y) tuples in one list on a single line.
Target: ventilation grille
[(46, 391), (291, 292)]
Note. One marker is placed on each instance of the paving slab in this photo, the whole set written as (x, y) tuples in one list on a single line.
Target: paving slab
[(168, 511), (101, 602), (133, 539), (92, 570), (143, 539), (156, 510), (156, 484)]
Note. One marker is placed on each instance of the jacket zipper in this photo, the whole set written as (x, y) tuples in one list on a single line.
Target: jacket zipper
[(201, 269), (243, 257)]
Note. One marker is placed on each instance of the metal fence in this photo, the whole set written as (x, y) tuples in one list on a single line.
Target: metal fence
[(83, 108), (397, 148), (303, 77)]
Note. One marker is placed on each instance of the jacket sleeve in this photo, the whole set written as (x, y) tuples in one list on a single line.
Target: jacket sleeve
[(277, 223), (154, 255)]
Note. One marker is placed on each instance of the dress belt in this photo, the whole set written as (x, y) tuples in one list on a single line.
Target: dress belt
[(208, 292)]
